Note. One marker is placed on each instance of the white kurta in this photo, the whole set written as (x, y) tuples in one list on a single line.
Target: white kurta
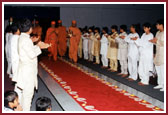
[(85, 42), (103, 50), (85, 45), (15, 56), (104, 45), (28, 53), (7, 42), (133, 55), (6, 45), (27, 74), (145, 57), (8, 53)]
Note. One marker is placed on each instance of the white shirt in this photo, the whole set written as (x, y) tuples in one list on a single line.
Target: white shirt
[(122, 44), (133, 51), (15, 56), (7, 109), (28, 66), (104, 45), (85, 41), (14, 48), (146, 49), (7, 46)]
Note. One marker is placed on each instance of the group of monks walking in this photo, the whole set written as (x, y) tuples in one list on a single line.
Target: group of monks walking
[(57, 37)]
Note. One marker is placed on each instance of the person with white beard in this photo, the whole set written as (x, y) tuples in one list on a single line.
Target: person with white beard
[(85, 43), (123, 51), (8, 50), (104, 47), (159, 56), (133, 53), (146, 55)]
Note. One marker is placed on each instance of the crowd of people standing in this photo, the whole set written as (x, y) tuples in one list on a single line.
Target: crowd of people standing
[(134, 52)]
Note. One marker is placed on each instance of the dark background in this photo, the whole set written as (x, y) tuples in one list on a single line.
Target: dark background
[(43, 14)]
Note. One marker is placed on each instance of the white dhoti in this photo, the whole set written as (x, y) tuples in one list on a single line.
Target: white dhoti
[(9, 68), (103, 50), (85, 55), (124, 66), (143, 71), (160, 73), (104, 60), (146, 57), (27, 96), (85, 46), (132, 67), (133, 55)]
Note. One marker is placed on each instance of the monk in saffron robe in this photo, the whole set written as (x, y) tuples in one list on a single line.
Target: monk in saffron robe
[(62, 40), (37, 30), (75, 35), (52, 38)]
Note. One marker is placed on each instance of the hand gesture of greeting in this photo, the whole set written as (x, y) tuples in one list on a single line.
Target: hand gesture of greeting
[(154, 40), (43, 45), (34, 39), (134, 38), (122, 37)]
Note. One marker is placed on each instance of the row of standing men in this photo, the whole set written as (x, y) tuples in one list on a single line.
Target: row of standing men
[(129, 49), (22, 53)]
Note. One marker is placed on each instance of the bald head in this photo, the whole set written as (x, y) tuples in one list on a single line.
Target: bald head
[(74, 23)]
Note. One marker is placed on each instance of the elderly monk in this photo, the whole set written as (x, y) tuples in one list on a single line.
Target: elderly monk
[(37, 30), (52, 38), (75, 35), (62, 40)]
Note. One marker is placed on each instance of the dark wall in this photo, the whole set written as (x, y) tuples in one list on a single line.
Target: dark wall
[(43, 14), (31, 12)]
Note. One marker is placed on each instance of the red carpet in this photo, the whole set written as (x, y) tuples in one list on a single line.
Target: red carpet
[(91, 92)]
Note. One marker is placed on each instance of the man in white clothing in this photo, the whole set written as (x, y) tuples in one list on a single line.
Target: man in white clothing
[(159, 56), (8, 50), (27, 72), (104, 47), (122, 51), (146, 55), (133, 53), (15, 56), (14, 51), (85, 43)]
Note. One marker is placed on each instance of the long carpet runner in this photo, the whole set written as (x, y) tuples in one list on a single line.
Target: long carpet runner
[(91, 92)]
